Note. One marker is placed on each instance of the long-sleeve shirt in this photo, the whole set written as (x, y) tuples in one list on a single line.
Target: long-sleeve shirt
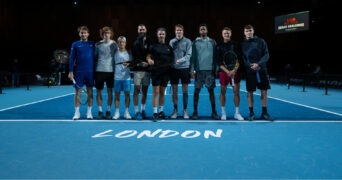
[(255, 50), (104, 56), (182, 49), (203, 53), (226, 50), (82, 56), (139, 52)]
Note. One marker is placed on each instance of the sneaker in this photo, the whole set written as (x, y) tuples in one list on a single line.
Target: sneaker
[(266, 116), (174, 114), (143, 114), (116, 115), (155, 116), (127, 115), (76, 116), (100, 115), (251, 117), (108, 115), (195, 115), (89, 115), (185, 114), (162, 115), (215, 116), (238, 116), (223, 116), (138, 116)]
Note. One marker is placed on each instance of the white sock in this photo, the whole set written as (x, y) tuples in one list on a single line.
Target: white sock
[(155, 110), (136, 109), (161, 108), (100, 108), (223, 110), (89, 109), (237, 110)]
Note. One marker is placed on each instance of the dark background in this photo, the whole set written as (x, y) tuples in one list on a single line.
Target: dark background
[(32, 30)]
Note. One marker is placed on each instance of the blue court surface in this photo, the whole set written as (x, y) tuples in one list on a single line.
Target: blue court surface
[(40, 141)]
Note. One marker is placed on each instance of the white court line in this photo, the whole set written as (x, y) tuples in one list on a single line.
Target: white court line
[(172, 121), (35, 102)]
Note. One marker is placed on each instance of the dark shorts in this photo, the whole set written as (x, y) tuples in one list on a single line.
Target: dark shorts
[(225, 79), (180, 74), (104, 77), (160, 78), (84, 78), (252, 81), (206, 78)]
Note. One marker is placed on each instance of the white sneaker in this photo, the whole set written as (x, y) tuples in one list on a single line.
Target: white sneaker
[(116, 115), (238, 116), (127, 115), (89, 115), (174, 114), (76, 116), (185, 114), (223, 116)]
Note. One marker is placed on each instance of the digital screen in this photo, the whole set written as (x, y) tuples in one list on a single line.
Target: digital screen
[(291, 22)]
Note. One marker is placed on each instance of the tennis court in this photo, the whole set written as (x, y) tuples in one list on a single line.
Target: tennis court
[(39, 139)]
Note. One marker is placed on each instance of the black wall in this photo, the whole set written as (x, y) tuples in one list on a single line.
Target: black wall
[(31, 31)]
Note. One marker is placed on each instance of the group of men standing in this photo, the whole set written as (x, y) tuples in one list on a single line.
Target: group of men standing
[(174, 62)]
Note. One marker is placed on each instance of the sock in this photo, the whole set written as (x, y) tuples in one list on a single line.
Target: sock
[(143, 107), (251, 110), (117, 110), (237, 110), (108, 108), (89, 109), (161, 108), (100, 108), (155, 110), (264, 110), (223, 110), (77, 109)]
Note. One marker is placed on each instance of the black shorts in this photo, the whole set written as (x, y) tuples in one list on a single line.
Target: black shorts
[(160, 78), (104, 77), (252, 81), (180, 74)]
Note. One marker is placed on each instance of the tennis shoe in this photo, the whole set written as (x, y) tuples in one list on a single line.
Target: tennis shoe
[(155, 117), (266, 116), (89, 115), (223, 116), (162, 115), (174, 114), (238, 116), (116, 116), (138, 116), (143, 114), (76, 116), (108, 115), (185, 114), (100, 115), (127, 115), (215, 116), (195, 115), (251, 117)]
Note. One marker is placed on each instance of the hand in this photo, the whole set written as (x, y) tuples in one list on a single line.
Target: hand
[(192, 75)]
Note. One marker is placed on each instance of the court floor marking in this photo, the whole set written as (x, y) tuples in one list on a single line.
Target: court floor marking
[(35, 102), (171, 121), (283, 100)]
